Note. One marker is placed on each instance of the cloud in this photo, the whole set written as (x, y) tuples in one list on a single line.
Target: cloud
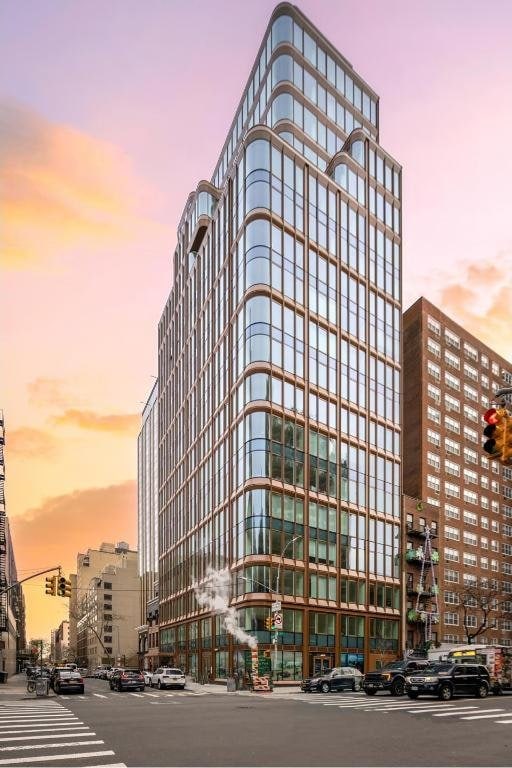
[(480, 299), (30, 443), (43, 392), (64, 525), (60, 189), (119, 423)]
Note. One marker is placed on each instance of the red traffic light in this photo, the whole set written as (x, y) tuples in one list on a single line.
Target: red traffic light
[(491, 416)]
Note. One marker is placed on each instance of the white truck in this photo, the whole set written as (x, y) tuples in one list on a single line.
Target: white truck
[(497, 659)]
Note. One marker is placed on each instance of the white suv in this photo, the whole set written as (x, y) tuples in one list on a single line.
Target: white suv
[(168, 677)]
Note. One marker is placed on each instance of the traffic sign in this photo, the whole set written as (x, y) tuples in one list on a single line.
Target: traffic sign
[(276, 606), (278, 620)]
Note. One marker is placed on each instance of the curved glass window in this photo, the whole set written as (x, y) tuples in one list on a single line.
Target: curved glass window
[(257, 253), (282, 70), (357, 152), (205, 204), (282, 31), (282, 108), (257, 156)]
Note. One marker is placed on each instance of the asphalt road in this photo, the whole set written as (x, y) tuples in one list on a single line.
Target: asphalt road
[(168, 728)]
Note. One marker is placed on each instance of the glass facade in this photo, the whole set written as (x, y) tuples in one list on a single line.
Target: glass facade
[(280, 373), (147, 501)]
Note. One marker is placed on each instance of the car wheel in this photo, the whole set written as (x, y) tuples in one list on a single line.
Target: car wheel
[(182, 687), (482, 691), (141, 689), (398, 688), (82, 690), (325, 687), (413, 695), (159, 685), (370, 693), (445, 693)]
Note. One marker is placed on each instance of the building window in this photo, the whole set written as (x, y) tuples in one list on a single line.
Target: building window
[(451, 619)]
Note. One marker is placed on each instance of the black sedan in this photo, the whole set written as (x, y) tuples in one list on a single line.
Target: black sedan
[(127, 680), (337, 679), (67, 681)]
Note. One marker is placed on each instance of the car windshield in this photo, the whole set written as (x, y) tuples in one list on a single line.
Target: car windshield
[(439, 666), (394, 665)]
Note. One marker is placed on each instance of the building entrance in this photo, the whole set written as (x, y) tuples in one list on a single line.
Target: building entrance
[(320, 663)]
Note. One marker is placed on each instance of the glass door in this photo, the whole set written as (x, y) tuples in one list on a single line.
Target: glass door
[(320, 663)]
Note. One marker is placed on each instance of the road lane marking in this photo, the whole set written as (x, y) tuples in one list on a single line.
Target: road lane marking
[(52, 746), (455, 711), (49, 736), (100, 695), (483, 717), (49, 758), (502, 722)]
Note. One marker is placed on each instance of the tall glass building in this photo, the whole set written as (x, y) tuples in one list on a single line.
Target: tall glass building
[(279, 371)]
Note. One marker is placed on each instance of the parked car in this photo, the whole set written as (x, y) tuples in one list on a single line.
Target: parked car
[(337, 679), (168, 677), (127, 680), (110, 672), (102, 671), (147, 674), (84, 672), (67, 680), (446, 680), (392, 677)]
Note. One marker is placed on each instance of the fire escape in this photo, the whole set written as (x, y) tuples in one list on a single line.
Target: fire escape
[(422, 585)]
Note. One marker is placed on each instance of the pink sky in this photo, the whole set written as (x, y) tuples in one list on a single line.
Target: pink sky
[(107, 121)]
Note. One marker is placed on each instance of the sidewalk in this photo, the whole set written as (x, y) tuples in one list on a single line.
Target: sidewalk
[(16, 689), (222, 688)]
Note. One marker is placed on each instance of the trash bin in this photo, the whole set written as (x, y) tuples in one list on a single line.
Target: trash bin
[(42, 686), (231, 685), (3, 676)]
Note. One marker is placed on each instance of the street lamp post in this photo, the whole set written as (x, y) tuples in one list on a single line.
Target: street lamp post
[(279, 593)]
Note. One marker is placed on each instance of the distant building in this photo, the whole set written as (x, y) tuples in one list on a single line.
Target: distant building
[(450, 379), (61, 643), (12, 603), (107, 606), (147, 506)]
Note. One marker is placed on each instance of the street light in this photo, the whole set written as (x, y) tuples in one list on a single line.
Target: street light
[(279, 593)]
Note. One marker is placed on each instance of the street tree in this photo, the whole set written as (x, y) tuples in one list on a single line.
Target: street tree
[(481, 606)]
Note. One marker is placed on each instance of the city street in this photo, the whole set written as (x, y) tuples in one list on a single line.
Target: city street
[(204, 728)]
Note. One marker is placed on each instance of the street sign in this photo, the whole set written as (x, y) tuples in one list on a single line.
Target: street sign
[(276, 606), (278, 620)]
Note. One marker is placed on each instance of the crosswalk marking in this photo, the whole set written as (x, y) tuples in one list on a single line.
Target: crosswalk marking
[(483, 717), (386, 705), (139, 695), (49, 736), (100, 695), (50, 746), (503, 722), (48, 758), (42, 729), (153, 695), (47, 732)]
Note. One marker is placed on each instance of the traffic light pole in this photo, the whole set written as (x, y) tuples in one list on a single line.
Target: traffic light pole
[(40, 573)]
